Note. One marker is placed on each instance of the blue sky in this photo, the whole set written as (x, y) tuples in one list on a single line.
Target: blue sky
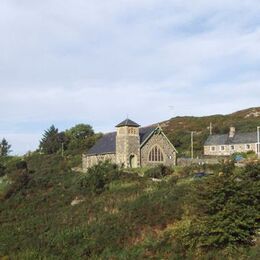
[(65, 62)]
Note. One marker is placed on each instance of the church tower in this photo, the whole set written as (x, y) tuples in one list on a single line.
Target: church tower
[(128, 144)]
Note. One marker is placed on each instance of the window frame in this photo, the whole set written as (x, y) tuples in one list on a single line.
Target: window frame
[(156, 154), (248, 147), (213, 148)]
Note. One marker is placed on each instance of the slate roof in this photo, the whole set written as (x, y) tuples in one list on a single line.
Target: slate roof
[(107, 143), (128, 122), (239, 138)]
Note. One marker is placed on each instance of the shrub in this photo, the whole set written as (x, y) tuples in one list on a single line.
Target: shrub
[(2, 170), (227, 167), (20, 182), (98, 176), (21, 165), (226, 210), (159, 171)]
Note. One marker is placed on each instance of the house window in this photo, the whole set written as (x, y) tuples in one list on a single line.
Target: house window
[(156, 154), (248, 146), (212, 148), (222, 148), (232, 147)]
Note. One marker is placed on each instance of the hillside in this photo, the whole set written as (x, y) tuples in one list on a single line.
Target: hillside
[(178, 129), (51, 212)]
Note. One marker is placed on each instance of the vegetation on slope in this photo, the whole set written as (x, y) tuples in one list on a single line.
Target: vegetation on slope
[(179, 129), (122, 215)]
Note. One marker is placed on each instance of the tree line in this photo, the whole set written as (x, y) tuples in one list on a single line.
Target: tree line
[(72, 141)]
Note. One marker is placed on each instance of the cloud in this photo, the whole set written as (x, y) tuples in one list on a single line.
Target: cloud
[(65, 62)]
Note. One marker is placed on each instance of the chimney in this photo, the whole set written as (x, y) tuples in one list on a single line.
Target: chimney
[(232, 132)]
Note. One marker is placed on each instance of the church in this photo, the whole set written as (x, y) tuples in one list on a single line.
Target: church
[(132, 146)]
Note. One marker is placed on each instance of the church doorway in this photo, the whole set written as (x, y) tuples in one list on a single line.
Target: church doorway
[(133, 161)]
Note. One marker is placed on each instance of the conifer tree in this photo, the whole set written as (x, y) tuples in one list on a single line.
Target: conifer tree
[(52, 140), (5, 148)]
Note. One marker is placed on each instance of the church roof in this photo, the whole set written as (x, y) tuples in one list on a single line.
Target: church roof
[(107, 143), (127, 122), (239, 138)]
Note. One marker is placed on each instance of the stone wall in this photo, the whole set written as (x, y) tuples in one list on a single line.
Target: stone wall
[(91, 160), (189, 161), (169, 154), (226, 150)]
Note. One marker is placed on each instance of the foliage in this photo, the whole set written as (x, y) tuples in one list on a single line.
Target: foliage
[(2, 170), (227, 209), (80, 137), (5, 148), (21, 165), (158, 171), (130, 217), (80, 131), (19, 183), (98, 176), (52, 140), (179, 129), (72, 142), (227, 167)]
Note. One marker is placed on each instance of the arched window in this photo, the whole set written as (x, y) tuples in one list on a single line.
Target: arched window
[(155, 155)]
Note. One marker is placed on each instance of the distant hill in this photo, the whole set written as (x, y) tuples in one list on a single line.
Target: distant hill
[(178, 129)]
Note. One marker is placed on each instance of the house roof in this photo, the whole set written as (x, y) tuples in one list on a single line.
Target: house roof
[(239, 138), (128, 122), (107, 143)]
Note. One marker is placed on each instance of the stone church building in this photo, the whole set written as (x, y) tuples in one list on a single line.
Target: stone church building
[(131, 146)]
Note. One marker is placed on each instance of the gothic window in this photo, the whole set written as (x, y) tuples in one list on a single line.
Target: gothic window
[(156, 155)]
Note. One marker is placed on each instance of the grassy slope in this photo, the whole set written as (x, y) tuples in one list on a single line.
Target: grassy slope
[(178, 129), (131, 220), (38, 221)]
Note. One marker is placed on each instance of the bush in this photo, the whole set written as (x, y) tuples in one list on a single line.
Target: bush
[(2, 170), (21, 165), (19, 183), (227, 167), (159, 171), (226, 210), (98, 177)]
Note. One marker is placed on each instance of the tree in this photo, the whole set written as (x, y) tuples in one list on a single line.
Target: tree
[(52, 140), (80, 131), (80, 138), (226, 209), (5, 148)]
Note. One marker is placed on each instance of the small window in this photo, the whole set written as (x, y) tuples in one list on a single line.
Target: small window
[(222, 148), (212, 148), (156, 155), (232, 147), (248, 146)]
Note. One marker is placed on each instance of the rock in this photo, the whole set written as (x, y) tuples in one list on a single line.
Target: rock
[(156, 180), (220, 174), (76, 201)]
